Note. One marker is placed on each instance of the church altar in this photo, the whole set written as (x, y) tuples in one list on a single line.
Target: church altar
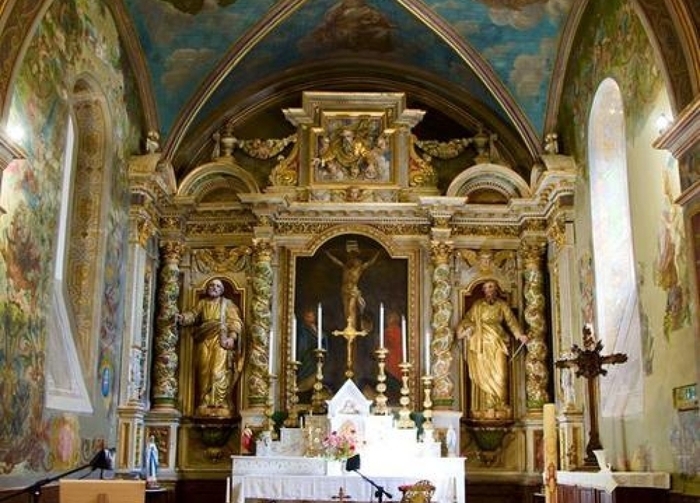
[(305, 479), (295, 467)]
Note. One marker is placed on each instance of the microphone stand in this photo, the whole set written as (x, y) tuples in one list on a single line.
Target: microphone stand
[(101, 460), (380, 492)]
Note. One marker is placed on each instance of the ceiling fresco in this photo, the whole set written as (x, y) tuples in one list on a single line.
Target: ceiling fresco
[(203, 56)]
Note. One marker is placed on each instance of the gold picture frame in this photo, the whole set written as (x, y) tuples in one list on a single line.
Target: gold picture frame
[(685, 397)]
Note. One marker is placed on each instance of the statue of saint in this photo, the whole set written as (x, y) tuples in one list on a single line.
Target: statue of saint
[(152, 463), (218, 327), (487, 352)]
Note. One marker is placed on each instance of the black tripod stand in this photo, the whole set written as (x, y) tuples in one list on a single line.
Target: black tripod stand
[(353, 465), (101, 461)]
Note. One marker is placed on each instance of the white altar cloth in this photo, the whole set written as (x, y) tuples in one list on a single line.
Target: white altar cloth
[(264, 478), (327, 487), (608, 481)]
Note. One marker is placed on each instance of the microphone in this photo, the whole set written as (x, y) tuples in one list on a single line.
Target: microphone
[(352, 464)]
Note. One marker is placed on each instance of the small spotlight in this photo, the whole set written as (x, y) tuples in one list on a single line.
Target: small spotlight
[(15, 132), (662, 123)]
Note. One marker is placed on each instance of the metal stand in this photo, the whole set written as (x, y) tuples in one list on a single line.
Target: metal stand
[(380, 400), (292, 420), (318, 405), (102, 461), (405, 420)]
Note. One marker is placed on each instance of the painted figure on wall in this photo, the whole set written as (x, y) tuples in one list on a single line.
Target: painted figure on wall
[(319, 281), (218, 327), (483, 328), (307, 343)]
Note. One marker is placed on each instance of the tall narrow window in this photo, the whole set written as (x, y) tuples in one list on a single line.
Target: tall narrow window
[(617, 303), (79, 258), (65, 384)]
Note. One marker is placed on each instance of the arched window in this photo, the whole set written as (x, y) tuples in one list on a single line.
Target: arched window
[(75, 314), (616, 295)]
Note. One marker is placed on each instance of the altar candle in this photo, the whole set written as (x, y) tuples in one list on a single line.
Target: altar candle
[(228, 489), (319, 320), (381, 325), (549, 438), (427, 352), (403, 339), (294, 339), (272, 352)]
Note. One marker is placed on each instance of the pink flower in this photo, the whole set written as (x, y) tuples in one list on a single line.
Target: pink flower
[(340, 445)]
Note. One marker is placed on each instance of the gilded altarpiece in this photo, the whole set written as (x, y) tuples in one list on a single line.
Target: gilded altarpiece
[(355, 183)]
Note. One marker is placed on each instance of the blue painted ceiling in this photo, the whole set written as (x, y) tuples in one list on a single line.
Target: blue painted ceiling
[(209, 60)]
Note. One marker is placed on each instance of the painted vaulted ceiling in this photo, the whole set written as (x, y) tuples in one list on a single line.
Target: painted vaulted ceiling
[(468, 63)]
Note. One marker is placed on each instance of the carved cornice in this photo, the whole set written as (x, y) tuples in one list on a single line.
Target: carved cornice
[(683, 136), (149, 175)]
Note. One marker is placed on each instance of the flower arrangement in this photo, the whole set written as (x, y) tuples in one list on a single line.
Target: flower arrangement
[(339, 445)]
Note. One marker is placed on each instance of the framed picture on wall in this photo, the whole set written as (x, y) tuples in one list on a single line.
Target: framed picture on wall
[(345, 284)]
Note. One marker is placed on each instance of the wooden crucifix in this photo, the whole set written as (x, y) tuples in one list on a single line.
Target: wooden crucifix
[(588, 362), (349, 334)]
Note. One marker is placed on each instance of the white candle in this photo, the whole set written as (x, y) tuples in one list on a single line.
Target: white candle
[(272, 352), (427, 352), (294, 339), (228, 489), (381, 326), (319, 320), (549, 438), (403, 339)]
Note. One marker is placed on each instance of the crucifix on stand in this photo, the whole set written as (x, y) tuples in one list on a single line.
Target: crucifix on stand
[(588, 362), (350, 333)]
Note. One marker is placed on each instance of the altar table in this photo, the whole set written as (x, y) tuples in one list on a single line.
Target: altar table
[(264, 479), (613, 487)]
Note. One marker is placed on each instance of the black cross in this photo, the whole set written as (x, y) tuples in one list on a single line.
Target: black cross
[(588, 363)]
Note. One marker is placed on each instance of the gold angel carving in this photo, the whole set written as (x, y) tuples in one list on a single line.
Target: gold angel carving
[(221, 258)]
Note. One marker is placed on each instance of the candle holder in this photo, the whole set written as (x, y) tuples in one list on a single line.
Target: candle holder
[(270, 405), (427, 404), (292, 420), (380, 400), (318, 402), (405, 420)]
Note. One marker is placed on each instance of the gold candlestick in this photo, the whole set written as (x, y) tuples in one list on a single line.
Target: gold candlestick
[(380, 400), (405, 420), (318, 403), (427, 404), (270, 405), (292, 420)]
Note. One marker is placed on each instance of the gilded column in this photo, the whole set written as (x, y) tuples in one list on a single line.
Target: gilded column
[(260, 326), (537, 374), (440, 354), (165, 358)]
